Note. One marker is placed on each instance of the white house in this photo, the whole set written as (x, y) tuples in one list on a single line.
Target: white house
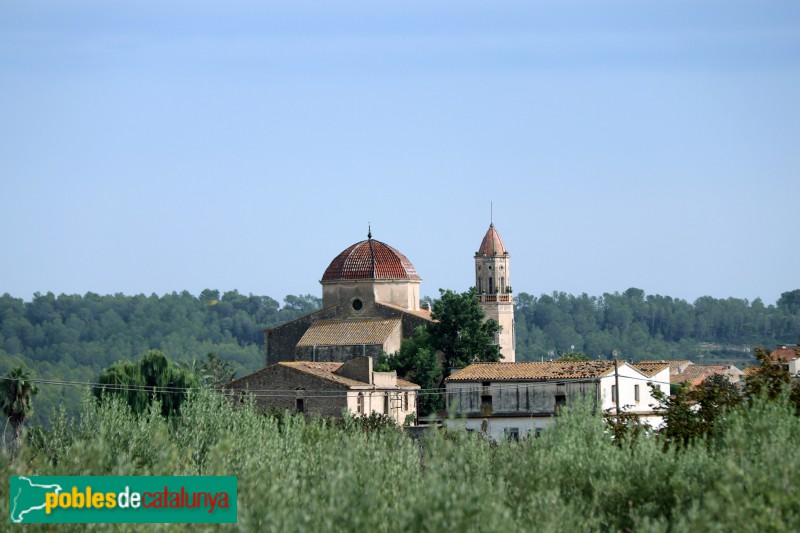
[(516, 399)]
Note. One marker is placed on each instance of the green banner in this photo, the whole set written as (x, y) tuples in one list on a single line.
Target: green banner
[(122, 499)]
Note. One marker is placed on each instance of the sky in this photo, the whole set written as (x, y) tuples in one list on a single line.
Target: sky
[(159, 146)]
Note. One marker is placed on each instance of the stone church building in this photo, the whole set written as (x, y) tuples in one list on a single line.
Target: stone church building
[(322, 362), (370, 302)]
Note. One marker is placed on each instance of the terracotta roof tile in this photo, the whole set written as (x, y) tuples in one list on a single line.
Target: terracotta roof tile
[(696, 374), (350, 332), (421, 313), (651, 368), (785, 353), (491, 244), (321, 370), (370, 259), (326, 371), (533, 371)]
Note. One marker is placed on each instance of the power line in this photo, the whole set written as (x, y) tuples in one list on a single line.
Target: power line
[(294, 393)]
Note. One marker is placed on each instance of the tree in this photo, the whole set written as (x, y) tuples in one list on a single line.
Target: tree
[(460, 332), (457, 337), (416, 361), (154, 377), (693, 413), (572, 356), (215, 372), (790, 302), (767, 379), (18, 391)]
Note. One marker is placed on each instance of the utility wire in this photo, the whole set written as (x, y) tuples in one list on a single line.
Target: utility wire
[(293, 393)]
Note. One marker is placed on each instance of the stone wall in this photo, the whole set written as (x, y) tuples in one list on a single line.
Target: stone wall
[(314, 392), (279, 342)]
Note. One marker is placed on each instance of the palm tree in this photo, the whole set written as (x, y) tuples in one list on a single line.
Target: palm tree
[(15, 398)]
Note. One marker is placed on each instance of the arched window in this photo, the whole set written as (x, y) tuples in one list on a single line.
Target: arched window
[(386, 403), (480, 286), (361, 403), (502, 284), (491, 285)]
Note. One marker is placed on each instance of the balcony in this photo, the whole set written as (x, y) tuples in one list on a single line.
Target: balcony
[(494, 298)]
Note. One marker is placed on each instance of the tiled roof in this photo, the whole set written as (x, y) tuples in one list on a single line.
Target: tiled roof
[(533, 371), (651, 368), (322, 370), (696, 374), (349, 332), (421, 313), (492, 244), (370, 259), (675, 365), (785, 353), (326, 371)]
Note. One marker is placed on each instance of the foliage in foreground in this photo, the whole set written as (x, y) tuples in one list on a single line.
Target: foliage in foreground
[(298, 474)]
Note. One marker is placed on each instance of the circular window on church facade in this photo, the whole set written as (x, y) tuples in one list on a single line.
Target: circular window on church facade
[(357, 304)]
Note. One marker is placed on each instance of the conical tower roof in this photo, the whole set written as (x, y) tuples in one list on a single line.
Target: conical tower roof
[(492, 244)]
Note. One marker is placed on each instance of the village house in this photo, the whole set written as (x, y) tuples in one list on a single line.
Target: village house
[(788, 357), (694, 375), (328, 389), (513, 400)]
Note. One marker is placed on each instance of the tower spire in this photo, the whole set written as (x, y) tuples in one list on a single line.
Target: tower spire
[(369, 230), (491, 213)]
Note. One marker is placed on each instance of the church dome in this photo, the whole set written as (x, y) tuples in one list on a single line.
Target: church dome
[(370, 259), (492, 244)]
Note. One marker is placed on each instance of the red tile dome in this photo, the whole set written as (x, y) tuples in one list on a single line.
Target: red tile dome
[(492, 244), (370, 259)]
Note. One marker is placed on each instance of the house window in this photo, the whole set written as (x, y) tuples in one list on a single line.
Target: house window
[(561, 399), (636, 392), (537, 432), (361, 403), (386, 402), (405, 401), (486, 401), (299, 405), (512, 433), (614, 393)]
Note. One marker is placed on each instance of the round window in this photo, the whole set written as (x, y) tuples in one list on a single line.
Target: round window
[(357, 304)]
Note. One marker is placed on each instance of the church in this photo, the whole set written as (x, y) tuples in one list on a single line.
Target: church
[(322, 362), (371, 301)]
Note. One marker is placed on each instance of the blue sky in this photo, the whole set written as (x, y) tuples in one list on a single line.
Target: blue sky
[(160, 146)]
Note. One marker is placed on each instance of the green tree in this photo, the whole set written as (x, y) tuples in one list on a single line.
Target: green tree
[(790, 302), (460, 331), (18, 391), (572, 356), (416, 361), (215, 372), (154, 377)]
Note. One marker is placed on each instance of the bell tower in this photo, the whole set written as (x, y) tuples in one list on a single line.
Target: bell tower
[(493, 283)]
